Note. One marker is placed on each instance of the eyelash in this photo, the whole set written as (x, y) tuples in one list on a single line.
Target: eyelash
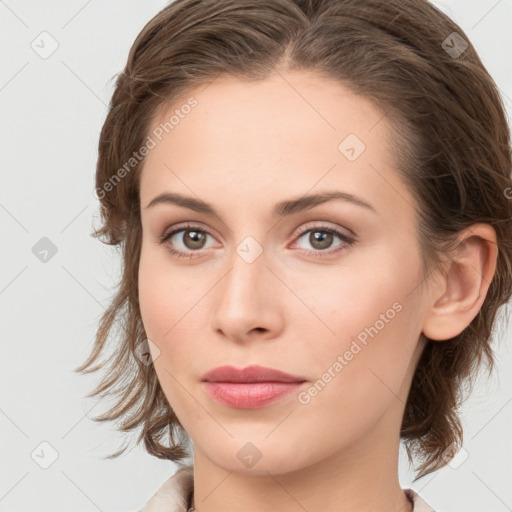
[(348, 241)]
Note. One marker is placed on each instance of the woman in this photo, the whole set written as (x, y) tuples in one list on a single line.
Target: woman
[(313, 202)]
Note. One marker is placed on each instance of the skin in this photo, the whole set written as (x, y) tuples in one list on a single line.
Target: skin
[(243, 148)]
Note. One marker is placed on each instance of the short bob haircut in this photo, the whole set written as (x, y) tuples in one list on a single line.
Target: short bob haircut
[(452, 147)]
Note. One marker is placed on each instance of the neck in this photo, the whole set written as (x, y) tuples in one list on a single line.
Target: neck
[(362, 477)]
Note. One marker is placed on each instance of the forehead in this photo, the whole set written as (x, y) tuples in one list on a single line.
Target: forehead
[(285, 135)]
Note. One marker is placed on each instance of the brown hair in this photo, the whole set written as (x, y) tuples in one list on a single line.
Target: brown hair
[(452, 147)]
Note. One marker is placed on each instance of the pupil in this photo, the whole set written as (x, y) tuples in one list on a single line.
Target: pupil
[(324, 239), (197, 239)]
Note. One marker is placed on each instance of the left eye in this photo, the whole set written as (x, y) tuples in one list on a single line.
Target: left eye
[(321, 239)]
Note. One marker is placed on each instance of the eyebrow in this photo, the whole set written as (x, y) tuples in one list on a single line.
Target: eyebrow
[(281, 209)]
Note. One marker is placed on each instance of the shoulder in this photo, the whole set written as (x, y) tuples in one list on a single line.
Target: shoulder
[(419, 504), (173, 494)]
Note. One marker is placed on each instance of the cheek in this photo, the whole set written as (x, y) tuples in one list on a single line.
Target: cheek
[(161, 292), (166, 323), (344, 304), (157, 297), (152, 302), (368, 315), (170, 304), (359, 372)]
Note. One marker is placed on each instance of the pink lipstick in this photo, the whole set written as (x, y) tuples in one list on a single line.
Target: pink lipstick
[(250, 387)]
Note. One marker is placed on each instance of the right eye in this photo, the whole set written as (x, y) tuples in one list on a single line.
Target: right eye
[(193, 236)]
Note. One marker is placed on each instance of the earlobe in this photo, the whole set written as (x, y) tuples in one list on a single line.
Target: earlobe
[(459, 294)]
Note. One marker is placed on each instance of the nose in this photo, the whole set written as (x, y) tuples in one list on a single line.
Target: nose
[(247, 299)]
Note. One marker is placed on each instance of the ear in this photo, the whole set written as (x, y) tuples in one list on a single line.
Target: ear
[(458, 295)]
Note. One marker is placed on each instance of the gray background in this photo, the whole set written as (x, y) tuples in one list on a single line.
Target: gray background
[(51, 112)]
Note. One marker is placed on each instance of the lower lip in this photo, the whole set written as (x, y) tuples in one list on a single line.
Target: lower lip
[(252, 395)]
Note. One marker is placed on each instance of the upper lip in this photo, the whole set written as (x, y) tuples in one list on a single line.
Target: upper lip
[(253, 373)]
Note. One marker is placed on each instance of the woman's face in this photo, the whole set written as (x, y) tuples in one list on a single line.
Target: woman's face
[(278, 286)]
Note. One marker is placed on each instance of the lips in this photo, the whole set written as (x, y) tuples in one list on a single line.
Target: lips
[(253, 373), (251, 387)]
